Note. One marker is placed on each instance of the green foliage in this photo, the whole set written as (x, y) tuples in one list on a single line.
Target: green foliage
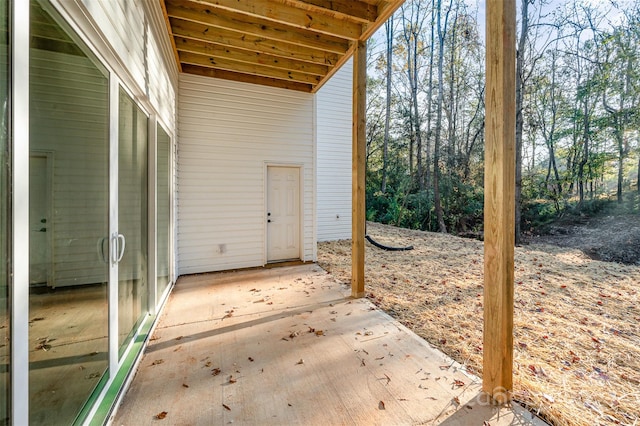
[(580, 117)]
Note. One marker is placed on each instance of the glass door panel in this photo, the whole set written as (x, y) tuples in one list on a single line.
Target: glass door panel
[(69, 221), (132, 219), (163, 210), (5, 216)]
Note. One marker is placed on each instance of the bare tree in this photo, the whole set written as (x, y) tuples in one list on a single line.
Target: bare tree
[(442, 31)]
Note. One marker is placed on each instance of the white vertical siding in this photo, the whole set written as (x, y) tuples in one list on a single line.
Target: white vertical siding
[(227, 133), (333, 139)]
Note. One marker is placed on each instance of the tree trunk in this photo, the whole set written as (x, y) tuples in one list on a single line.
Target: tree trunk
[(436, 156), (387, 118), (519, 118), (432, 43)]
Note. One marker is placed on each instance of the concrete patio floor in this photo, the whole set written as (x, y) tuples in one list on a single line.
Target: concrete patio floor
[(287, 346)]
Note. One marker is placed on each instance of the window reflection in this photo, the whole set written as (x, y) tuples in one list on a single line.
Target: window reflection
[(163, 209), (68, 220), (132, 219), (5, 216)]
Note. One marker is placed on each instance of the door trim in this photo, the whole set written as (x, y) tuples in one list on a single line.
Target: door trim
[(50, 158), (265, 202)]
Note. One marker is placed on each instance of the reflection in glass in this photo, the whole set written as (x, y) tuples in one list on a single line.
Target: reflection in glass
[(163, 216), (132, 219), (68, 218), (5, 216)]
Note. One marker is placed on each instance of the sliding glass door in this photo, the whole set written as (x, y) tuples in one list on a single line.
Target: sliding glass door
[(5, 215), (69, 220), (163, 218), (133, 296), (90, 287)]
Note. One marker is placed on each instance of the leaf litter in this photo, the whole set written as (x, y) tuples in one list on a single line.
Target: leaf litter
[(576, 361)]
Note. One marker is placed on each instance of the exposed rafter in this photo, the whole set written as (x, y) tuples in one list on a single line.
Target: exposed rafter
[(295, 44)]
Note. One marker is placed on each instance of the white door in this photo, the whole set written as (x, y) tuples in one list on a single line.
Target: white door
[(39, 220), (283, 213)]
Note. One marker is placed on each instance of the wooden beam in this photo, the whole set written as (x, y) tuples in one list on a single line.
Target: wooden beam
[(173, 44), (251, 43), (246, 78), (384, 12), (357, 11), (292, 16), (256, 26), (246, 68), (245, 56), (358, 155), (499, 200)]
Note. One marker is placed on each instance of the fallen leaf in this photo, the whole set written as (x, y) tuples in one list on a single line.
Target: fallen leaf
[(184, 385), (319, 333), (226, 407), (251, 359), (300, 362), (458, 383), (381, 405), (215, 371), (157, 362), (232, 380), (161, 415)]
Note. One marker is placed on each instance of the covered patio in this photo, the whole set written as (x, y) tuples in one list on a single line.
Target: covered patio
[(288, 345)]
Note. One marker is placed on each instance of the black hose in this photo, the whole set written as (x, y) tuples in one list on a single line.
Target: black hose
[(383, 247)]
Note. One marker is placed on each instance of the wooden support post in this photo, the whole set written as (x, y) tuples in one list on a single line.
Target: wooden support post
[(499, 200), (358, 153)]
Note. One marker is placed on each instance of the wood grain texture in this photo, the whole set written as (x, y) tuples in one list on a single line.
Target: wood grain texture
[(499, 207), (292, 16), (358, 168), (322, 32)]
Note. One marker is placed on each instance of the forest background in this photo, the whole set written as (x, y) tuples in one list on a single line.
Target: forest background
[(577, 113)]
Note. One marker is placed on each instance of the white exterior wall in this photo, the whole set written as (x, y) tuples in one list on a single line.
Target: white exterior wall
[(131, 37), (227, 134), (333, 138)]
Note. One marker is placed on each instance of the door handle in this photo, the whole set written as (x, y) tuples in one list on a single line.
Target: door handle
[(124, 243), (117, 250), (101, 242)]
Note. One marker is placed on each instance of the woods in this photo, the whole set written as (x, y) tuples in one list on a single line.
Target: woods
[(577, 113)]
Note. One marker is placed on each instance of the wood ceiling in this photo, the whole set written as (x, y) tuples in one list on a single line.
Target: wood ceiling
[(292, 44)]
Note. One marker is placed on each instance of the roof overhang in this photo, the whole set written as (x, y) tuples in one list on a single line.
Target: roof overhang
[(291, 44)]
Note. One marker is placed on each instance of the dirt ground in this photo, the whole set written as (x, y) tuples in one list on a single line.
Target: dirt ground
[(576, 333), (608, 238)]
